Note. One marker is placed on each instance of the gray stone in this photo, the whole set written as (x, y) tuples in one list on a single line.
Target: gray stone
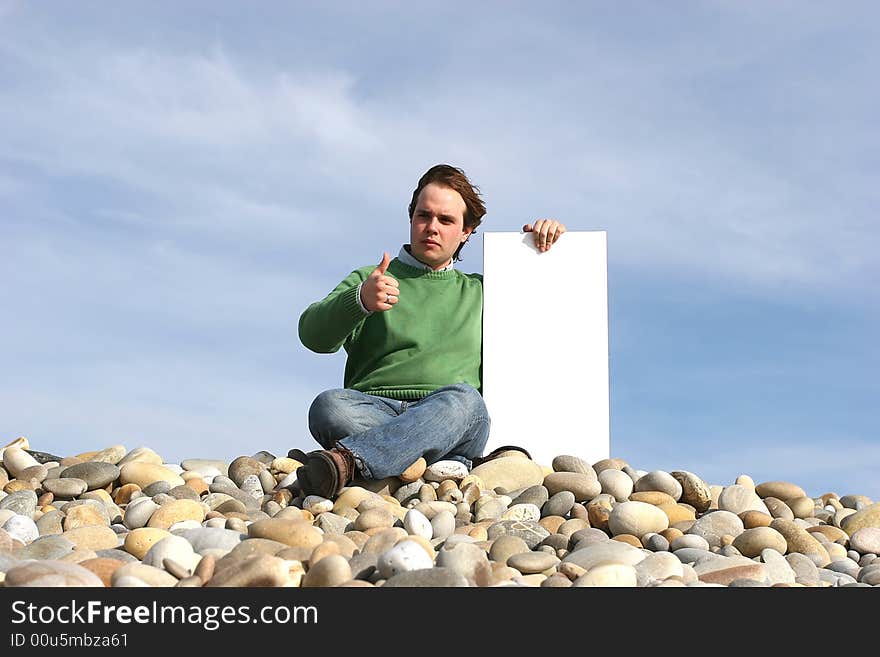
[(183, 492), (65, 488), (835, 578), (21, 502), (558, 505), (653, 541), (568, 463), (584, 486), (587, 536), (264, 457), (363, 565), (211, 538), (442, 524), (428, 577), (33, 473), (689, 541), (870, 576), (96, 474), (47, 547), (331, 523), (116, 553), (219, 486), (252, 486), (51, 523), (847, 566), (408, 492), (745, 582), (536, 495), (659, 480), (532, 562), (531, 532), (242, 467), (138, 512), (205, 466), (157, 488)]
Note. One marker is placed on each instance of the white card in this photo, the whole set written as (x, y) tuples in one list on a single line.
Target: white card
[(545, 344)]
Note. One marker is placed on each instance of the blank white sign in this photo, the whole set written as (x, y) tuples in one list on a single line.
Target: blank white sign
[(545, 344)]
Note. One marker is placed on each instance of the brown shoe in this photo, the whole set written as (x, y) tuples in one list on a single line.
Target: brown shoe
[(498, 452), (324, 472)]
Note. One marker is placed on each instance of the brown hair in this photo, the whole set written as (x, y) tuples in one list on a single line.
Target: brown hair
[(455, 179)]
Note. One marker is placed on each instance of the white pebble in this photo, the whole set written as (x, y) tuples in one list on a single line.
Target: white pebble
[(406, 555), (417, 524), (22, 528)]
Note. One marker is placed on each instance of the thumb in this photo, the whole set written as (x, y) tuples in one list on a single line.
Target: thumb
[(383, 266), (527, 228)]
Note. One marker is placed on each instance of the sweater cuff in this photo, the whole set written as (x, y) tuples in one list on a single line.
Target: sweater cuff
[(359, 302)]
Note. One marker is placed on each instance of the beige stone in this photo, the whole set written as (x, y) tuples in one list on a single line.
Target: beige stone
[(93, 537), (150, 575), (751, 542), (868, 516), (259, 570), (50, 573), (677, 512), (832, 533), (655, 497), (294, 533), (608, 575), (509, 473), (103, 567), (144, 473), (138, 541), (802, 507), (752, 519), (782, 490), (414, 471), (800, 540), (83, 515), (122, 495), (176, 511)]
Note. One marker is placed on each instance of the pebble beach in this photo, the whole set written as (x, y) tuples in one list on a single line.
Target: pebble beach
[(116, 517)]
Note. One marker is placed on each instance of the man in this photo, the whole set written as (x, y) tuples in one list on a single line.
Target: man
[(412, 328)]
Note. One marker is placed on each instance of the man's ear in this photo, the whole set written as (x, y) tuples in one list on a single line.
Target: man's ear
[(467, 235)]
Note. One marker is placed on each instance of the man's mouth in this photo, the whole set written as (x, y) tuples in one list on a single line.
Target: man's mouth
[(430, 243)]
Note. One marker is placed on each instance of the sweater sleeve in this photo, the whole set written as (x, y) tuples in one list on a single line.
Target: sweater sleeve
[(325, 325)]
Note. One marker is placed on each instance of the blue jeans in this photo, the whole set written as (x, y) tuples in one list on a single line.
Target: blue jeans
[(387, 435)]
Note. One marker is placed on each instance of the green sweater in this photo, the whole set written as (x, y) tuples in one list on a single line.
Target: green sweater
[(432, 337)]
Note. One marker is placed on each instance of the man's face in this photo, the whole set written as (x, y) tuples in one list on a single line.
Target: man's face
[(437, 225)]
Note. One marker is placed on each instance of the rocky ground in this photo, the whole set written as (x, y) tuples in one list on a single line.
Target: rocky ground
[(120, 518)]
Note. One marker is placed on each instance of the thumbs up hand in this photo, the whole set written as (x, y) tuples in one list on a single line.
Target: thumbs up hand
[(379, 291)]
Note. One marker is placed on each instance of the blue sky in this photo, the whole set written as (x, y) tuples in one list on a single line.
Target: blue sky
[(179, 181)]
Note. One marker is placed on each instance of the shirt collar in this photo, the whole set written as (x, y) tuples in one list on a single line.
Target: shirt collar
[(408, 259)]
